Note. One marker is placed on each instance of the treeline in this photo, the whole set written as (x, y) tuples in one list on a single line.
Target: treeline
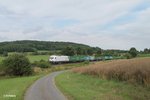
[(62, 48), (81, 51), (31, 46), (146, 50)]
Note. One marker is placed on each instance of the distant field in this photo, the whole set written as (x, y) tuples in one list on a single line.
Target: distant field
[(15, 86), (144, 55), (133, 70), (33, 58), (86, 87)]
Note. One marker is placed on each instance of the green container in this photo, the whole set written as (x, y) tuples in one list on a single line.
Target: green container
[(77, 58)]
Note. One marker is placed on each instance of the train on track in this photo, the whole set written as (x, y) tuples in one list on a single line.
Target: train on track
[(77, 58)]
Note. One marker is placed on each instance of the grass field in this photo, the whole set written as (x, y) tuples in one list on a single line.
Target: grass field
[(86, 87), (15, 86), (33, 58), (144, 55)]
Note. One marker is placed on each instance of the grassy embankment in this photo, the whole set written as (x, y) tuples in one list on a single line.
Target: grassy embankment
[(15, 87), (111, 80)]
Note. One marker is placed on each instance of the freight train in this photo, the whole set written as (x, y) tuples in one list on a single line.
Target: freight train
[(77, 58)]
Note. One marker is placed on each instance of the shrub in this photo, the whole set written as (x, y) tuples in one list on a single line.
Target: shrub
[(86, 62), (42, 64), (128, 56), (17, 65)]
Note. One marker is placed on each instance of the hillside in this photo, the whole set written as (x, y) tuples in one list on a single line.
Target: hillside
[(29, 46)]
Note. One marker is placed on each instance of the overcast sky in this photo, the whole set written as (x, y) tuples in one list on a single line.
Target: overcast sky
[(109, 24)]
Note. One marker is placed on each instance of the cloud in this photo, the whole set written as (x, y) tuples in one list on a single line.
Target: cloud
[(118, 24)]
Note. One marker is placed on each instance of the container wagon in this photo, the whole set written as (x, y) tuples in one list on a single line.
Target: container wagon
[(76, 58)]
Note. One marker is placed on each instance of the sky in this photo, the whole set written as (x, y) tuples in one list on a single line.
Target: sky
[(108, 24)]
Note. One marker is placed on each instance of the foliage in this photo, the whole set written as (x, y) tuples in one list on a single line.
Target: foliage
[(133, 52), (79, 51), (69, 51), (42, 64), (146, 50), (35, 46), (90, 51), (112, 52), (5, 54), (41, 53), (99, 52), (17, 65), (31, 46), (128, 56), (86, 62)]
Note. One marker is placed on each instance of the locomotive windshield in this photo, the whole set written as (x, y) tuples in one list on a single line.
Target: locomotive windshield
[(52, 57)]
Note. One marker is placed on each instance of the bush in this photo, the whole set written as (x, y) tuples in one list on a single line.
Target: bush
[(86, 62), (42, 64), (128, 56), (17, 65)]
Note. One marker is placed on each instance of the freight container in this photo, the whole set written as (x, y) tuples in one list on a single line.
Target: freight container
[(77, 58)]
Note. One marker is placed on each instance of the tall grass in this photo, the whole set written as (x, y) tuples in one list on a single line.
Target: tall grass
[(133, 70)]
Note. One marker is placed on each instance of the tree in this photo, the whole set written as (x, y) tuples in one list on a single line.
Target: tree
[(79, 51), (99, 52), (17, 65), (69, 51), (5, 54), (146, 50), (89, 51), (133, 52)]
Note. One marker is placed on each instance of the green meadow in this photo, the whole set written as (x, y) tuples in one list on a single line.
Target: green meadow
[(85, 87), (33, 58)]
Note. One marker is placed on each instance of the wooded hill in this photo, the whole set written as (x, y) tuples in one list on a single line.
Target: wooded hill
[(31, 46)]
